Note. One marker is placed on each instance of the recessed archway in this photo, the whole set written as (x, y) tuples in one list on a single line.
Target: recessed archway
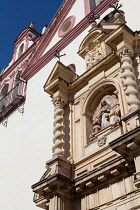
[(107, 88)]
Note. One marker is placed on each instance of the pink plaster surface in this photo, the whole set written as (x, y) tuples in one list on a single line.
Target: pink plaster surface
[(61, 33)]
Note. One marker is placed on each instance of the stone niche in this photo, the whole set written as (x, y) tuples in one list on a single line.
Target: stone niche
[(103, 119)]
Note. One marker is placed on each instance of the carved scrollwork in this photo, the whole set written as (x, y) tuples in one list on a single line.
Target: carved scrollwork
[(124, 52), (95, 55)]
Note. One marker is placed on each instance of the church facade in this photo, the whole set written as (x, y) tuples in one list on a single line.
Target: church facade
[(71, 96)]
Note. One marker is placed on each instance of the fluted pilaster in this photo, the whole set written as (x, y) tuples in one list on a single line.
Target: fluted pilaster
[(129, 80), (58, 127), (56, 203)]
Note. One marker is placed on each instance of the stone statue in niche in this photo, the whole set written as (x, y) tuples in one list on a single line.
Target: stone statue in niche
[(104, 113), (107, 113), (95, 55)]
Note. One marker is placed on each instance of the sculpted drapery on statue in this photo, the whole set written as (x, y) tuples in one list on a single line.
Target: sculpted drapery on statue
[(107, 113)]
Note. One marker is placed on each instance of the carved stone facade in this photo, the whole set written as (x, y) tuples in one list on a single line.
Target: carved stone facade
[(58, 126), (99, 112), (95, 55)]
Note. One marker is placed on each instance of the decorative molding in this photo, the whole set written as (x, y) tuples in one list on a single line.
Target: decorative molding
[(136, 179), (101, 141), (51, 30), (58, 102), (95, 55), (5, 122), (17, 62), (37, 63), (66, 26), (124, 52), (24, 33)]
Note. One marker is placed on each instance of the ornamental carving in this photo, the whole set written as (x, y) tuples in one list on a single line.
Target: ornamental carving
[(58, 127), (101, 141), (95, 55), (58, 101), (124, 52), (107, 113), (129, 80)]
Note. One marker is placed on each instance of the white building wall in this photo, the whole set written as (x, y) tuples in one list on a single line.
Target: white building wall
[(25, 146), (27, 141), (79, 13)]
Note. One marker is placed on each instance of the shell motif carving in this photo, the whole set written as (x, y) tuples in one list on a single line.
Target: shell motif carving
[(58, 127)]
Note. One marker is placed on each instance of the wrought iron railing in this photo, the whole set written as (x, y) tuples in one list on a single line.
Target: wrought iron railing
[(13, 96)]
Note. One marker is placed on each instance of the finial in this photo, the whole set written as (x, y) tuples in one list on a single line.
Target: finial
[(32, 25), (44, 29), (93, 17), (57, 54), (116, 6)]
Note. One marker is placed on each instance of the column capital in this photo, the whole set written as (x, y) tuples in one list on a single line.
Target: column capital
[(124, 52)]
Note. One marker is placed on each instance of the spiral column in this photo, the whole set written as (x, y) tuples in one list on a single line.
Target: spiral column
[(129, 80), (58, 127)]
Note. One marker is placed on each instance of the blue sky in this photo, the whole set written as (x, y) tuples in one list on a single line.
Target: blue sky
[(15, 15)]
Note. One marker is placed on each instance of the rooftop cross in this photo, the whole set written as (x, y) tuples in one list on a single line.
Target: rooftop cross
[(57, 54), (93, 17)]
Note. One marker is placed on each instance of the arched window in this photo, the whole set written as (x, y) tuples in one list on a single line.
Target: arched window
[(3, 98), (20, 50)]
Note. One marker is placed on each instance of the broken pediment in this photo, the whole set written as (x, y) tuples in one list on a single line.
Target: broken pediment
[(60, 70), (60, 74)]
